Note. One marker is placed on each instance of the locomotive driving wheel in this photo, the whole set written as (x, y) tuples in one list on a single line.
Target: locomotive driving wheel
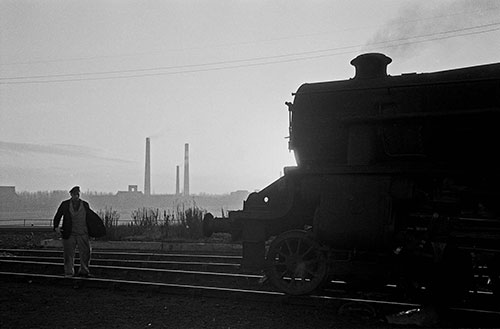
[(296, 264)]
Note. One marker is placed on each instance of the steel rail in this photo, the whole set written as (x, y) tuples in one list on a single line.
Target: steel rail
[(235, 290), (125, 253), (131, 261), (235, 275), (149, 283)]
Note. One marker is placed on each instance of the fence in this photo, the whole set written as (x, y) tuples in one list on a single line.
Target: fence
[(34, 222), (43, 222)]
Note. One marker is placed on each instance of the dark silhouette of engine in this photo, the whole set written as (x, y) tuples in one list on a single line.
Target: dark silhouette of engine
[(397, 178)]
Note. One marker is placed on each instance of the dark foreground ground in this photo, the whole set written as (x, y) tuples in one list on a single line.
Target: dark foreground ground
[(35, 305), (32, 305), (25, 304)]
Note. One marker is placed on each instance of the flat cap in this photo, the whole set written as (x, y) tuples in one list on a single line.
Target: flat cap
[(75, 189)]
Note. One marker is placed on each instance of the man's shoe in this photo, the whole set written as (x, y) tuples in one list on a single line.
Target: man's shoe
[(85, 275)]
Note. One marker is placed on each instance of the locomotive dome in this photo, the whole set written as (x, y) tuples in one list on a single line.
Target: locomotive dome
[(371, 65)]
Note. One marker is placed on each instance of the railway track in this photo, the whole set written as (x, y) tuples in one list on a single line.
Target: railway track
[(209, 274)]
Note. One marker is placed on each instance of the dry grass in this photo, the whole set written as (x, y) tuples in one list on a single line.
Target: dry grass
[(153, 224)]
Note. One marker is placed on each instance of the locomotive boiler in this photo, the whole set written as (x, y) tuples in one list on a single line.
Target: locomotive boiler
[(397, 178)]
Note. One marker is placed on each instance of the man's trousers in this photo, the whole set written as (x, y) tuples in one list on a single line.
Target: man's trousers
[(84, 250)]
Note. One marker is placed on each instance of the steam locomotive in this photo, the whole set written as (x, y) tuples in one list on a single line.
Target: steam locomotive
[(397, 178)]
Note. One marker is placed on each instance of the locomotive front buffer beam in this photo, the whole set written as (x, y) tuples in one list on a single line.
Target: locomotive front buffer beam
[(252, 233)]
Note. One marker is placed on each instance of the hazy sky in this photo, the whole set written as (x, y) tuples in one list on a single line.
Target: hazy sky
[(83, 83)]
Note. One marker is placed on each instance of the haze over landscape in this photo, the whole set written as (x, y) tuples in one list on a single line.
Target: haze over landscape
[(83, 83)]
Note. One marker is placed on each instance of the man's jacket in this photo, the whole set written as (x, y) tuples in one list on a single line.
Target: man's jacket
[(95, 226)]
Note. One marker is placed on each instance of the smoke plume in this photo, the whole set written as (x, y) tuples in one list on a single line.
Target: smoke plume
[(433, 24)]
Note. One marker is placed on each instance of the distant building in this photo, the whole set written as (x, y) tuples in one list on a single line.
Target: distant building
[(8, 198), (132, 190), (240, 194), (7, 192)]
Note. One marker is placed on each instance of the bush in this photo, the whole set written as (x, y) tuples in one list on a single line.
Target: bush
[(191, 219), (156, 225), (110, 218)]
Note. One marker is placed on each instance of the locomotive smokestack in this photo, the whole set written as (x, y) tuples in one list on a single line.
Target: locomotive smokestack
[(186, 169), (371, 65), (147, 171), (177, 182)]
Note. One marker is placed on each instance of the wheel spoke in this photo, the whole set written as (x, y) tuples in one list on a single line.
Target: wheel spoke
[(308, 250), (282, 254), (299, 240), (288, 246)]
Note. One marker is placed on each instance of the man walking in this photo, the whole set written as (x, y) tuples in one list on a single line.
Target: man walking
[(74, 232)]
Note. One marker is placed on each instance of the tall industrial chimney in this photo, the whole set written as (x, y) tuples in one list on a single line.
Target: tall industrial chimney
[(177, 182), (186, 169), (147, 171)]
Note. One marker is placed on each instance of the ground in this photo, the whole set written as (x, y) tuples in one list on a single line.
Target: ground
[(26, 305), (24, 240), (32, 305)]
